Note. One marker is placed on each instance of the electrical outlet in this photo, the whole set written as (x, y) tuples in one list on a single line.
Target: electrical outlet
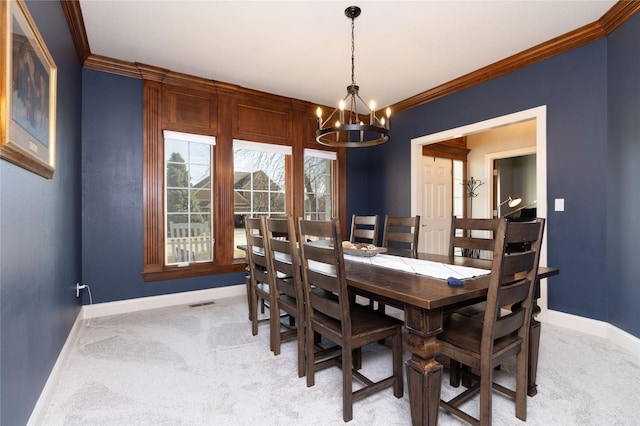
[(78, 288)]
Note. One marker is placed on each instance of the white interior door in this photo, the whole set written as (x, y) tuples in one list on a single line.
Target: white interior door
[(437, 207)]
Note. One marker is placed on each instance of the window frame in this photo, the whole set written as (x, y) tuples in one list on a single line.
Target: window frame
[(287, 152), (326, 155), (192, 105), (204, 140)]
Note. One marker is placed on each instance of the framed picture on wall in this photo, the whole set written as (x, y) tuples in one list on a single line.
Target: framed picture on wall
[(28, 93)]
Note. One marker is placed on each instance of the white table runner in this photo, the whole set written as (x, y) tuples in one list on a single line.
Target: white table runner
[(419, 266)]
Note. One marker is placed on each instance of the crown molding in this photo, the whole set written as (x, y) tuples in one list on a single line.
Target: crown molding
[(611, 20), (73, 14)]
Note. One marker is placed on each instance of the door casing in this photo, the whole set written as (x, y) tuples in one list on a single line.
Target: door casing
[(540, 115)]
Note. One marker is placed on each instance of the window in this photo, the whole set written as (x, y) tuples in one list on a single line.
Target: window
[(458, 189), (197, 189), (259, 184), (318, 184), (188, 198)]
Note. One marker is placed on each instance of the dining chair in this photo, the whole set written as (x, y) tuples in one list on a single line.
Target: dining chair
[(259, 287), (329, 313), (364, 229), (283, 264), (401, 234), (504, 329), (475, 238), (400, 238), (472, 237)]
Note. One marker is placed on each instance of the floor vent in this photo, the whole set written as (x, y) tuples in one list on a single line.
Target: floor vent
[(197, 305)]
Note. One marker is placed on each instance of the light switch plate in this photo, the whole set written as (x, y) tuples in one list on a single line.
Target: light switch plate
[(559, 204)]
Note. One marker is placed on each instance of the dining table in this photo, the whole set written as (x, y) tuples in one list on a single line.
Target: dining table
[(425, 299)]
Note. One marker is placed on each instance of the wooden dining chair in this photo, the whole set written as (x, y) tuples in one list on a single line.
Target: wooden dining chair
[(504, 329), (472, 237), (330, 314), (283, 264), (259, 286), (401, 234), (364, 229)]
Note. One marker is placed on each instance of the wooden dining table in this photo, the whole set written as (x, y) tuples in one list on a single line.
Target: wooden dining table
[(425, 300)]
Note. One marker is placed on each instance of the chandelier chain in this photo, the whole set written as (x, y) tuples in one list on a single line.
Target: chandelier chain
[(353, 48)]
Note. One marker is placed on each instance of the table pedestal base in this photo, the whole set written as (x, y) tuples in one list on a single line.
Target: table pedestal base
[(424, 373)]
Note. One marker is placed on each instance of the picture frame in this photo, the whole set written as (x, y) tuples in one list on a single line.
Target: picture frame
[(27, 93)]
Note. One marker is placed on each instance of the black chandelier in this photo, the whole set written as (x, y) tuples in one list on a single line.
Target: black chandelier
[(351, 129)]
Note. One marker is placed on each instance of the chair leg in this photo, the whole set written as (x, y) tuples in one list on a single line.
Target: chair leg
[(347, 385), (398, 386), (249, 293), (357, 358), (311, 337), (486, 389), (254, 312), (274, 326), (465, 376), (301, 342), (521, 384), (454, 373)]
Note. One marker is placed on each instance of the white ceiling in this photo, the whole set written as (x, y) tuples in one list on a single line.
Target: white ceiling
[(302, 49)]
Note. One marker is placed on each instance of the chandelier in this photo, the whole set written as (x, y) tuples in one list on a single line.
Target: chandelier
[(348, 128)]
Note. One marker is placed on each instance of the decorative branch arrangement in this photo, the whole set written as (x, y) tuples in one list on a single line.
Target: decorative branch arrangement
[(472, 184)]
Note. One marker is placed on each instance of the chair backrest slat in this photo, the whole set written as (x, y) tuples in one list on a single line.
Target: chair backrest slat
[(514, 292), (517, 262), (509, 323)]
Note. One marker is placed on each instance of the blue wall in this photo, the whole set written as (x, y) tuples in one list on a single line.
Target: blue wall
[(574, 88), (112, 209), (624, 176), (47, 244), (40, 248)]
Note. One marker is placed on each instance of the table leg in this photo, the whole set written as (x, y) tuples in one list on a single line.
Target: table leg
[(534, 347), (534, 343), (424, 373)]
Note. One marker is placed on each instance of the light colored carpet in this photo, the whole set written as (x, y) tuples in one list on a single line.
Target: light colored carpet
[(201, 366)]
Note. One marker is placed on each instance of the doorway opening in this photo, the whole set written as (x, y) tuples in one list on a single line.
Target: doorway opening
[(539, 117)]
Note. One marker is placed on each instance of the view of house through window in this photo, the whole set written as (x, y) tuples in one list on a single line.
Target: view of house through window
[(259, 184), (318, 184), (188, 197)]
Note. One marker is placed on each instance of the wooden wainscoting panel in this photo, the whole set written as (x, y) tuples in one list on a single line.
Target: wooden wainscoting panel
[(190, 110), (261, 124)]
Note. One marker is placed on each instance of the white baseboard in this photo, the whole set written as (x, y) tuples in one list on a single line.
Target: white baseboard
[(40, 408), (595, 328), (165, 300)]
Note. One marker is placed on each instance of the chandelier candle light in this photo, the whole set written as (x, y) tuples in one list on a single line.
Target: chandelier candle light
[(355, 132)]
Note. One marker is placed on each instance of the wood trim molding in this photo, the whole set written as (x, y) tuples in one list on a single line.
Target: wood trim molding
[(619, 14), (611, 20), (73, 14)]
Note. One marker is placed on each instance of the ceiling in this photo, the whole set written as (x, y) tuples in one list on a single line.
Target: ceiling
[(302, 49)]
